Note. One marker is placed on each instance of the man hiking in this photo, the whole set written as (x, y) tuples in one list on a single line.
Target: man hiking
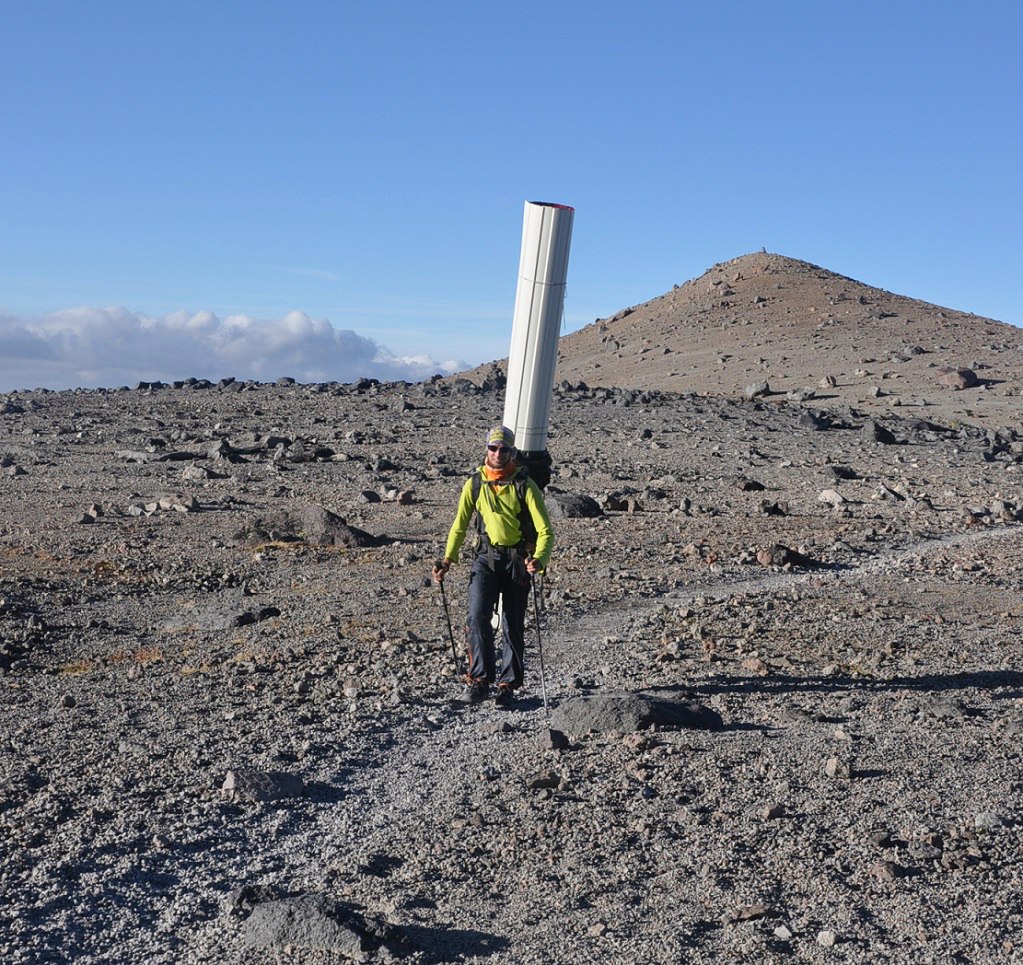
[(514, 543)]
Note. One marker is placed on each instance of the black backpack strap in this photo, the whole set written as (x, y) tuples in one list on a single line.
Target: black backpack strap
[(527, 528), (482, 537)]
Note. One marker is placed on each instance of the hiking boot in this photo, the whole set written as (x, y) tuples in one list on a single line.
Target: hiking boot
[(505, 697), (476, 692)]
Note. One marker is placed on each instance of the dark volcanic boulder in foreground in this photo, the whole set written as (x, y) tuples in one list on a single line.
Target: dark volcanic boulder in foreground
[(316, 922), (625, 712), (571, 506), (324, 528)]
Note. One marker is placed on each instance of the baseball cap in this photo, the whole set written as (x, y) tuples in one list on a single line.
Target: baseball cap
[(499, 435)]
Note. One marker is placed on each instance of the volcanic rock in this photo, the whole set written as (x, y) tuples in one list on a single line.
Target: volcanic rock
[(626, 712), (319, 923), (245, 784)]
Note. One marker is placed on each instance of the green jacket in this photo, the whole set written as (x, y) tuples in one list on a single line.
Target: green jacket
[(498, 506)]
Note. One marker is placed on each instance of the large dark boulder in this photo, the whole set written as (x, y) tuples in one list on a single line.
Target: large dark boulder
[(627, 712), (878, 433), (309, 523), (957, 378), (571, 506), (317, 922)]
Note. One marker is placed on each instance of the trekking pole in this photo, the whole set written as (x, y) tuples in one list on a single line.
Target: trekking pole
[(447, 613), (539, 647)]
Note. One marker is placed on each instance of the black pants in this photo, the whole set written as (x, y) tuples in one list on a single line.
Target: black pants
[(509, 580)]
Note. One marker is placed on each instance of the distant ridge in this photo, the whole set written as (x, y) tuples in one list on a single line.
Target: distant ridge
[(802, 329)]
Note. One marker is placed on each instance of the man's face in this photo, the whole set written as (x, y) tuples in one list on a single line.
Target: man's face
[(498, 455)]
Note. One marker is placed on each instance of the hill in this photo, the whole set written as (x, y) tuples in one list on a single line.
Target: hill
[(803, 330)]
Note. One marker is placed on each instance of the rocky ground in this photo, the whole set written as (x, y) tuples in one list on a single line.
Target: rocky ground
[(173, 620), (227, 726)]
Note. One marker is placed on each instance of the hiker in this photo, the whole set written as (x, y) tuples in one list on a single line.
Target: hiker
[(514, 543)]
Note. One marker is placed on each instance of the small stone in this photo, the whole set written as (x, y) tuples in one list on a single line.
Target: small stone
[(836, 768), (638, 741), (556, 740), (756, 666), (774, 812), (986, 821), (878, 433), (783, 932), (197, 473), (750, 486), (250, 785), (826, 938), (946, 709), (753, 912), (887, 870), (551, 780), (832, 497)]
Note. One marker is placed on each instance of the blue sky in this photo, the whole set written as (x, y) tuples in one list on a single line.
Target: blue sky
[(327, 189)]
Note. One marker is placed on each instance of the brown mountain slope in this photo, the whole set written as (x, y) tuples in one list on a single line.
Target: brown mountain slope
[(765, 317)]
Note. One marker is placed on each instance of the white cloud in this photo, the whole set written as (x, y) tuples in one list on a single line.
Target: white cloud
[(92, 347)]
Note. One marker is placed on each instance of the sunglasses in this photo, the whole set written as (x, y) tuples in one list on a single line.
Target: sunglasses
[(499, 448)]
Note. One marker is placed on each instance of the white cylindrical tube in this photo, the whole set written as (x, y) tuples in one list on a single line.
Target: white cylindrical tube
[(539, 300)]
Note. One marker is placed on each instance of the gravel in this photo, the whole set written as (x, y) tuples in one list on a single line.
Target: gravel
[(206, 717)]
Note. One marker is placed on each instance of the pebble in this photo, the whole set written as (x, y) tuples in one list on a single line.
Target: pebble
[(837, 768), (987, 821)]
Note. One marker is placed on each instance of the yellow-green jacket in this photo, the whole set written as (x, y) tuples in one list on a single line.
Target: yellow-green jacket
[(498, 506)]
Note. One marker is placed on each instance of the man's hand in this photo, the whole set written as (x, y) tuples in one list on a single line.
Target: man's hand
[(533, 566), (440, 569)]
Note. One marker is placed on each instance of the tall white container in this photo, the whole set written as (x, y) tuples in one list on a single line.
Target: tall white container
[(539, 301)]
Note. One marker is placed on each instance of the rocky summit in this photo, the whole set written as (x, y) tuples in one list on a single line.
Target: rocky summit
[(781, 709)]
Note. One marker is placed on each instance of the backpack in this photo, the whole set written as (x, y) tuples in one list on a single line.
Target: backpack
[(526, 525)]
